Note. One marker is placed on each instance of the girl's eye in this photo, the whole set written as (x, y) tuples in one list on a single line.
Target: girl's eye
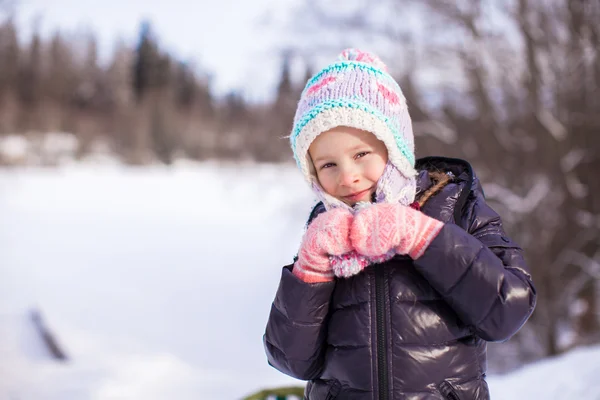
[(362, 154), (328, 165)]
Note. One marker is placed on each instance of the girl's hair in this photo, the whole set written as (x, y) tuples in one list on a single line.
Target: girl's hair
[(440, 180)]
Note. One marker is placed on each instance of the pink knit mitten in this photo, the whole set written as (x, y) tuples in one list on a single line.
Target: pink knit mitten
[(383, 227), (327, 235)]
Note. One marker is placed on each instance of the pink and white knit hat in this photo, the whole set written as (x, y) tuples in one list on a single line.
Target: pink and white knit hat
[(358, 92)]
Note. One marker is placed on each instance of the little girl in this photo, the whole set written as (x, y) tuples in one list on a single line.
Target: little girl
[(404, 272)]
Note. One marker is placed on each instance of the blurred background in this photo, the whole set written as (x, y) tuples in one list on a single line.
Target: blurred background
[(148, 197)]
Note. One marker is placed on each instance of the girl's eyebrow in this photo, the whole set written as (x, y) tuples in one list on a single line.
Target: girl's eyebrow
[(323, 158), (319, 159), (361, 146)]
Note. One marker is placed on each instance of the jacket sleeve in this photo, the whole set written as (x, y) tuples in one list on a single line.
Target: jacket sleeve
[(296, 330), (482, 274)]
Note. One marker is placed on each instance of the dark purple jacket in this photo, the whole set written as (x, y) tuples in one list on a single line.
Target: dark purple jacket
[(409, 329)]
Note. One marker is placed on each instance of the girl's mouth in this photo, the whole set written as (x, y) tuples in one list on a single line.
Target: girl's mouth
[(355, 197)]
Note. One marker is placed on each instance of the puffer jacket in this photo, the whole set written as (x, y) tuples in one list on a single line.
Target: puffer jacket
[(409, 329)]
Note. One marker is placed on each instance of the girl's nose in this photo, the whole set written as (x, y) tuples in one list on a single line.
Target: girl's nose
[(349, 176)]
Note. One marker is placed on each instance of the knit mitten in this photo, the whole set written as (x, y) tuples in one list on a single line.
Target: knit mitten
[(327, 235), (352, 263), (383, 227)]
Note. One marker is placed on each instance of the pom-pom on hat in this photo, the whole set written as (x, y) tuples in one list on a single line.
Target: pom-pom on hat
[(358, 92)]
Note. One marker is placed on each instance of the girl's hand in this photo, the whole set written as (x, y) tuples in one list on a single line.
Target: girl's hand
[(383, 227), (327, 235)]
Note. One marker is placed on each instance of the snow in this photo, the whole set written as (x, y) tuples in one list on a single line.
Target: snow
[(158, 282), (570, 376), (48, 149)]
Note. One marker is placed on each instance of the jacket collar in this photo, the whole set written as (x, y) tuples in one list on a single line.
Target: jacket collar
[(462, 174)]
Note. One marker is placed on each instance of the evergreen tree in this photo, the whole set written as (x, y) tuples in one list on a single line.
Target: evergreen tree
[(9, 57), (146, 64), (30, 73), (285, 89)]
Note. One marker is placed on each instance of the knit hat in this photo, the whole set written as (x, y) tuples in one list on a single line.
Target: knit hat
[(358, 92)]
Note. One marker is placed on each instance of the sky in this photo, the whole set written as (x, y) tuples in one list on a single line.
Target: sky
[(238, 42), (224, 37)]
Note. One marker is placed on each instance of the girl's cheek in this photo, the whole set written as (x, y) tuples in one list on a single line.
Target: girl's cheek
[(328, 179)]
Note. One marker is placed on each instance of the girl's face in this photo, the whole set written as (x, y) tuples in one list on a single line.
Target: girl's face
[(348, 162)]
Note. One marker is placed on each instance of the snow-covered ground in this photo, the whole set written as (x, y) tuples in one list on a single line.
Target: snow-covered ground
[(158, 283)]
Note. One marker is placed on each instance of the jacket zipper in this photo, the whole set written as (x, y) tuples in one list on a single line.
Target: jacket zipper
[(381, 333)]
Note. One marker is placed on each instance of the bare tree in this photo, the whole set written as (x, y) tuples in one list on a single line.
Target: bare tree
[(9, 73)]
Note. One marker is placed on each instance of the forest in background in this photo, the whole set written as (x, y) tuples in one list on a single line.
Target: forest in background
[(142, 103)]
